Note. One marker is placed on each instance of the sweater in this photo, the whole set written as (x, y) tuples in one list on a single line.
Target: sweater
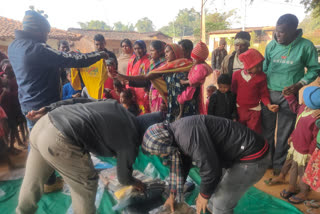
[(68, 91), (250, 89), (285, 64), (223, 105), (304, 136), (103, 128), (36, 67), (214, 143)]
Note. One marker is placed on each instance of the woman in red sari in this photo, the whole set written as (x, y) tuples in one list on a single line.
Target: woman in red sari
[(139, 65)]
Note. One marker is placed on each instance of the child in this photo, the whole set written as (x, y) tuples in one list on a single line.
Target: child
[(222, 102), (10, 104), (127, 100), (250, 86), (302, 143), (115, 92), (210, 90), (196, 76), (67, 90)]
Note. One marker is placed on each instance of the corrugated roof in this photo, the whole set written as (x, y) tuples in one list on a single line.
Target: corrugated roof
[(236, 30), (119, 35), (8, 26)]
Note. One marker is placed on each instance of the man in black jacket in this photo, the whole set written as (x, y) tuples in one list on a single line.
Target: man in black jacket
[(62, 140), (213, 143)]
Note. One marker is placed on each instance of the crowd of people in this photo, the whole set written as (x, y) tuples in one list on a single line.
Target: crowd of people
[(77, 103)]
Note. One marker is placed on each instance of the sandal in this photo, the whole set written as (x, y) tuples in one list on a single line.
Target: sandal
[(270, 182), (312, 204), (286, 194), (296, 200), (311, 211)]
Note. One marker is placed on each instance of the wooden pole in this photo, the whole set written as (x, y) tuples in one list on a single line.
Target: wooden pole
[(203, 23)]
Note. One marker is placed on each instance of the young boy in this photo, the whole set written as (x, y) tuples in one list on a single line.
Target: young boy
[(250, 86), (210, 90), (67, 90), (222, 102)]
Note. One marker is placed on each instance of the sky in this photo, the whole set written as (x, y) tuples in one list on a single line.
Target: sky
[(64, 14)]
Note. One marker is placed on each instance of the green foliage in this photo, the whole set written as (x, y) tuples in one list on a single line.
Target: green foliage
[(144, 25), (184, 24), (311, 5), (119, 26), (310, 26), (187, 22), (94, 24)]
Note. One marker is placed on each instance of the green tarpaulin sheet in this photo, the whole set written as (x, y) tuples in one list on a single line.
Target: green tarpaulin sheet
[(253, 202)]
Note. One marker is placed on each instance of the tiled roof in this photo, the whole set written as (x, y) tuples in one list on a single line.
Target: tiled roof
[(248, 29), (8, 26), (119, 35)]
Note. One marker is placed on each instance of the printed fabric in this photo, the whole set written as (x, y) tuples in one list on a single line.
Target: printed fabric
[(93, 78)]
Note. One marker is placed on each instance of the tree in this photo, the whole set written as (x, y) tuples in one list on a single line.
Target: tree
[(310, 26), (94, 24), (144, 25), (119, 26), (187, 22), (184, 24)]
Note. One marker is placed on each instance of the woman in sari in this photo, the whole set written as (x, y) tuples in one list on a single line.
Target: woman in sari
[(166, 79), (123, 60), (157, 60), (139, 65)]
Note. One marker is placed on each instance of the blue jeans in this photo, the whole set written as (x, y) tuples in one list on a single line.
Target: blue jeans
[(234, 183)]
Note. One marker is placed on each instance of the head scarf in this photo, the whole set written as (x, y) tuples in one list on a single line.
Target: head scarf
[(142, 45), (35, 22), (177, 50), (157, 140)]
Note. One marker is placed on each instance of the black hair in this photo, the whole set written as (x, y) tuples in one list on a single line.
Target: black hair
[(127, 41), (224, 79), (99, 38), (243, 35), (128, 94), (288, 19), (158, 46), (186, 44), (117, 83), (212, 86), (63, 42)]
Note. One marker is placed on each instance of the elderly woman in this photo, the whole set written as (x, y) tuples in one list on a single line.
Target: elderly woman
[(166, 79), (212, 143)]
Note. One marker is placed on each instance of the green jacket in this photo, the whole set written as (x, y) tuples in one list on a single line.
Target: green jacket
[(285, 65)]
